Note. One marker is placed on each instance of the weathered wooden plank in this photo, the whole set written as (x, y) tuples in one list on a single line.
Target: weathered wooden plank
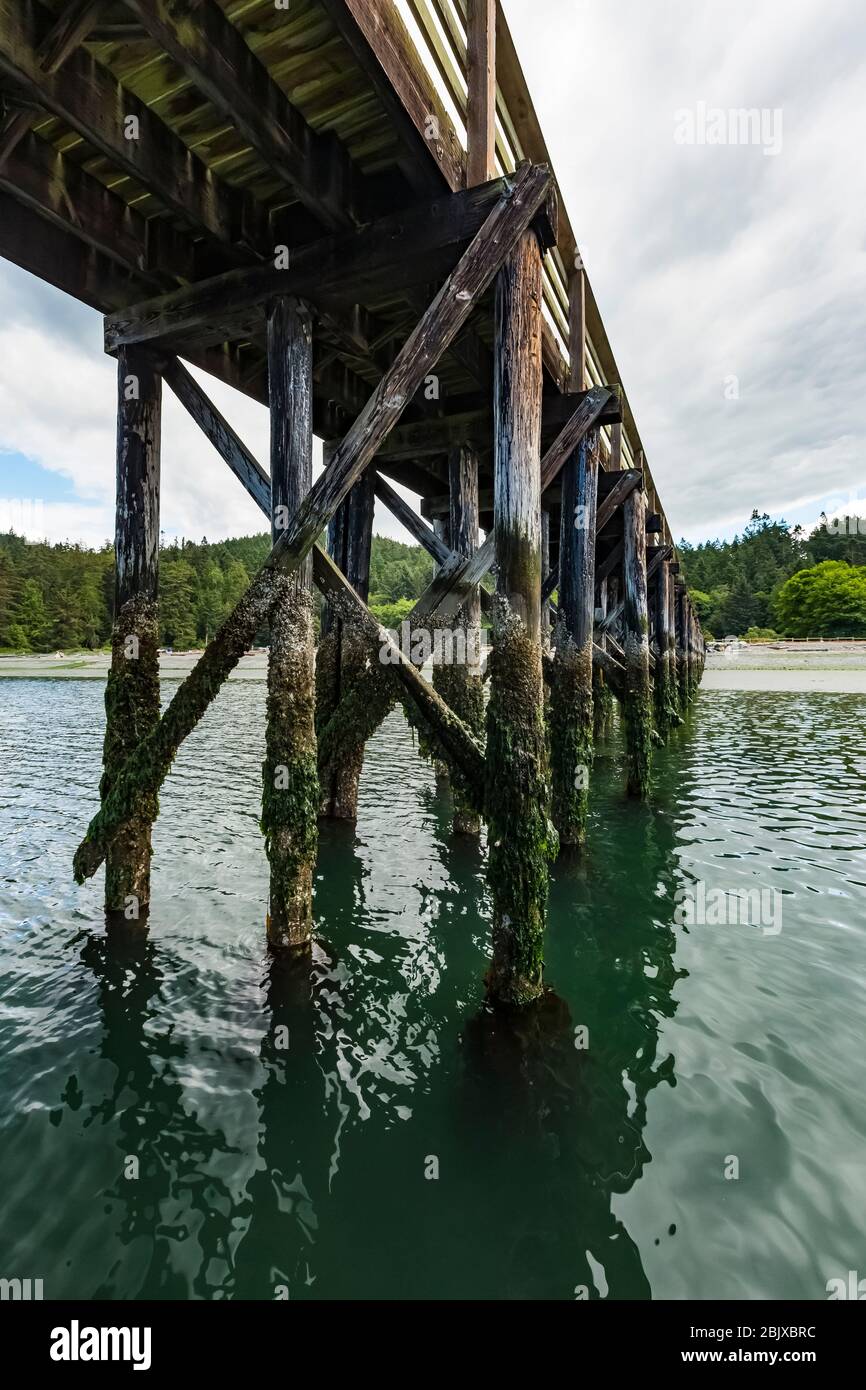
[(577, 331), (481, 91), (408, 517), (70, 30), (385, 255), (215, 56), (460, 682), (420, 172), (610, 562), (380, 23), (442, 321)]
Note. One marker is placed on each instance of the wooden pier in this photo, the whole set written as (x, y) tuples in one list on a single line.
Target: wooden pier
[(276, 193)]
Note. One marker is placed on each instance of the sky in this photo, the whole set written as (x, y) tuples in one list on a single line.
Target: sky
[(730, 274)]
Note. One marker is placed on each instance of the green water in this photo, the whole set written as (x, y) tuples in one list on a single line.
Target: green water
[(560, 1168)]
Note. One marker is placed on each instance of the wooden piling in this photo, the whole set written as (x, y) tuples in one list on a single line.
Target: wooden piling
[(666, 714), (545, 571), (132, 689), (682, 654), (571, 716), (343, 650), (521, 835), (459, 682), (637, 704), (290, 780), (602, 695)]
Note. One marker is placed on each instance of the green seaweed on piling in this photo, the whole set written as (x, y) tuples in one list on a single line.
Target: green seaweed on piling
[(602, 706), (637, 709), (571, 736), (147, 767), (463, 691), (522, 838), (131, 711), (667, 714)]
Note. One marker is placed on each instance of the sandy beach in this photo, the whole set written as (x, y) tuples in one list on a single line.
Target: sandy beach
[(834, 668)]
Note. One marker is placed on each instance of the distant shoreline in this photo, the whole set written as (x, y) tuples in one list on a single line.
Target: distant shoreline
[(822, 669)]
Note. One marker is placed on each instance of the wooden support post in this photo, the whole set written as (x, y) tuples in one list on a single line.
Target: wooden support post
[(682, 658), (545, 571), (480, 91), (290, 797), (666, 714), (602, 696), (458, 681), (637, 706), (571, 686), (343, 650), (673, 654), (517, 780), (132, 690)]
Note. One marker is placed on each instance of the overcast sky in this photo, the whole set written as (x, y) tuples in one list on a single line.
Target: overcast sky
[(731, 277)]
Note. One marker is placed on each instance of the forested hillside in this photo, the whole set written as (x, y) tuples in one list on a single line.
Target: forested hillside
[(772, 577), (60, 596)]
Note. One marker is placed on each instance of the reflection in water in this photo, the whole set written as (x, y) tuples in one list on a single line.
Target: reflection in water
[(355, 1122)]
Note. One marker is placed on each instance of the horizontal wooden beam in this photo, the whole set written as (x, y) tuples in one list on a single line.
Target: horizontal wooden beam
[(420, 438), (391, 253), (447, 592)]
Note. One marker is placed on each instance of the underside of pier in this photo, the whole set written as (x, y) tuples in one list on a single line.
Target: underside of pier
[(346, 210)]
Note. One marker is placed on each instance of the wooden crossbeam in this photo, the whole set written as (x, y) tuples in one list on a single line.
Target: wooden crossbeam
[(449, 589), (417, 527), (656, 556), (86, 97), (386, 254), (626, 482), (148, 767), (214, 54), (408, 517), (417, 439), (457, 740)]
